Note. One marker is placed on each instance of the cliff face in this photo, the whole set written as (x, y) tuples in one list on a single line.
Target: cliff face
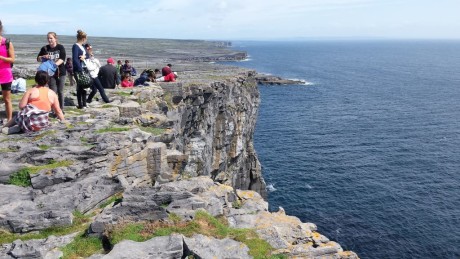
[(216, 125)]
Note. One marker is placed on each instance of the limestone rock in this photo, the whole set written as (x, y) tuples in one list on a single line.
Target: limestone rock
[(208, 248), (158, 247), (37, 248)]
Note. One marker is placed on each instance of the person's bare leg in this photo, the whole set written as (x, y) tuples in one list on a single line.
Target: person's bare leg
[(8, 104)]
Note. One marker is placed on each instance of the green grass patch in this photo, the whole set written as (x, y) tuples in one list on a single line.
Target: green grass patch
[(105, 106), (22, 177), (122, 93), (74, 111), (115, 198), (30, 83), (152, 130), (44, 134), (237, 204), (167, 97), (80, 223), (203, 223), (112, 129), (17, 97), (82, 247), (44, 147), (8, 149)]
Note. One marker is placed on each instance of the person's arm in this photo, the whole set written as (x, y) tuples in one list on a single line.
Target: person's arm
[(25, 99), (42, 54), (11, 57), (76, 58), (57, 108)]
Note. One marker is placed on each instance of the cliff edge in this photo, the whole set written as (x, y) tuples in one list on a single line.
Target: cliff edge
[(165, 171)]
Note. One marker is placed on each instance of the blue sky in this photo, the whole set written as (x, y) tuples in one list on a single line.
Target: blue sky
[(236, 19)]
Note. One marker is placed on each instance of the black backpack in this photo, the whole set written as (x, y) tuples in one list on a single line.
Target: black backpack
[(7, 44)]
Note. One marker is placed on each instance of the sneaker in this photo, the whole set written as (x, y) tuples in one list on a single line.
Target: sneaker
[(11, 130)]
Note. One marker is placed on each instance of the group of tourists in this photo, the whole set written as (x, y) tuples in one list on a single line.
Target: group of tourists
[(149, 76), (83, 69)]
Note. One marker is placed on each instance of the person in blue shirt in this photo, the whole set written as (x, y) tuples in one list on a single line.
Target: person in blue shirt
[(79, 56)]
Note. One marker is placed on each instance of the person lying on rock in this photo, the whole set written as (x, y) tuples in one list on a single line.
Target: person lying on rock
[(34, 107), (171, 77)]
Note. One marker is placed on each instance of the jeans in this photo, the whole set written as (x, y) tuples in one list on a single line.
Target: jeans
[(94, 88), (57, 85)]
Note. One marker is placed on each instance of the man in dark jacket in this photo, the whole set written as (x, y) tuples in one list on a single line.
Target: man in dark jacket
[(108, 75)]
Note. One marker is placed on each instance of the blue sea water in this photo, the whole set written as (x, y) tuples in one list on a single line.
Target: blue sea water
[(369, 148)]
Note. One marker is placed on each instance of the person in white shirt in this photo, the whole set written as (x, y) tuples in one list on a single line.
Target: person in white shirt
[(93, 65), (18, 85)]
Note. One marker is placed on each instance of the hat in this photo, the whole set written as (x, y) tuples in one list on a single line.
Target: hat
[(110, 61)]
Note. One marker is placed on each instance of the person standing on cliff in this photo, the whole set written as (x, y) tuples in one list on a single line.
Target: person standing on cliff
[(6, 74), (93, 66), (55, 52), (78, 58), (69, 69)]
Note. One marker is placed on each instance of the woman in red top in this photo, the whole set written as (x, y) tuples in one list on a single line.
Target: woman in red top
[(126, 81)]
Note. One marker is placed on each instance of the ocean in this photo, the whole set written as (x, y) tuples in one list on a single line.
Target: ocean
[(369, 147)]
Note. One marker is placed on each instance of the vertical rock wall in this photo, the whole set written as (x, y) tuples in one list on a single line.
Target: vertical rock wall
[(216, 124)]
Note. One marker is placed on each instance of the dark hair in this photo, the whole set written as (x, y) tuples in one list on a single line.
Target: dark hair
[(42, 78), (157, 70), (169, 65), (1, 26), (151, 74), (126, 61)]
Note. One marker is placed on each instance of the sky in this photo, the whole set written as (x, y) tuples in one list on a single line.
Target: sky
[(236, 19)]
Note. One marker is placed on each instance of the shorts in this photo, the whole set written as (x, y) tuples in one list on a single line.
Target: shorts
[(6, 86)]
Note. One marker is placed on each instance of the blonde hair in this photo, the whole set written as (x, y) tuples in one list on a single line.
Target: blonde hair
[(54, 35), (81, 35)]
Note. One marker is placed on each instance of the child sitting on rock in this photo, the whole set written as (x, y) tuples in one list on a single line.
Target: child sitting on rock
[(127, 81)]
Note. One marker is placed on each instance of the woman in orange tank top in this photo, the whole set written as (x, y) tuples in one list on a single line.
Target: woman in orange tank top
[(41, 97)]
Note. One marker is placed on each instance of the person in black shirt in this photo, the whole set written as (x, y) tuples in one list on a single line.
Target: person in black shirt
[(108, 75), (55, 52)]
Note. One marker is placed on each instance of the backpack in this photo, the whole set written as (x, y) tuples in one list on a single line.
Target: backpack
[(7, 44), (48, 66)]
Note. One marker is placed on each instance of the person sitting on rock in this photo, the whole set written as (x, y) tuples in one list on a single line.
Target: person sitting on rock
[(128, 69), (108, 75), (35, 105), (127, 81), (18, 85)]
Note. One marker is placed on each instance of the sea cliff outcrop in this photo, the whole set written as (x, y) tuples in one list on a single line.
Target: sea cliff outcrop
[(165, 171)]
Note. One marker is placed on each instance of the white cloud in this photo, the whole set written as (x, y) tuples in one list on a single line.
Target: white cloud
[(230, 19)]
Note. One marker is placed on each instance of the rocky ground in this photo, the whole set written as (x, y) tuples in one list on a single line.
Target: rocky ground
[(165, 171)]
